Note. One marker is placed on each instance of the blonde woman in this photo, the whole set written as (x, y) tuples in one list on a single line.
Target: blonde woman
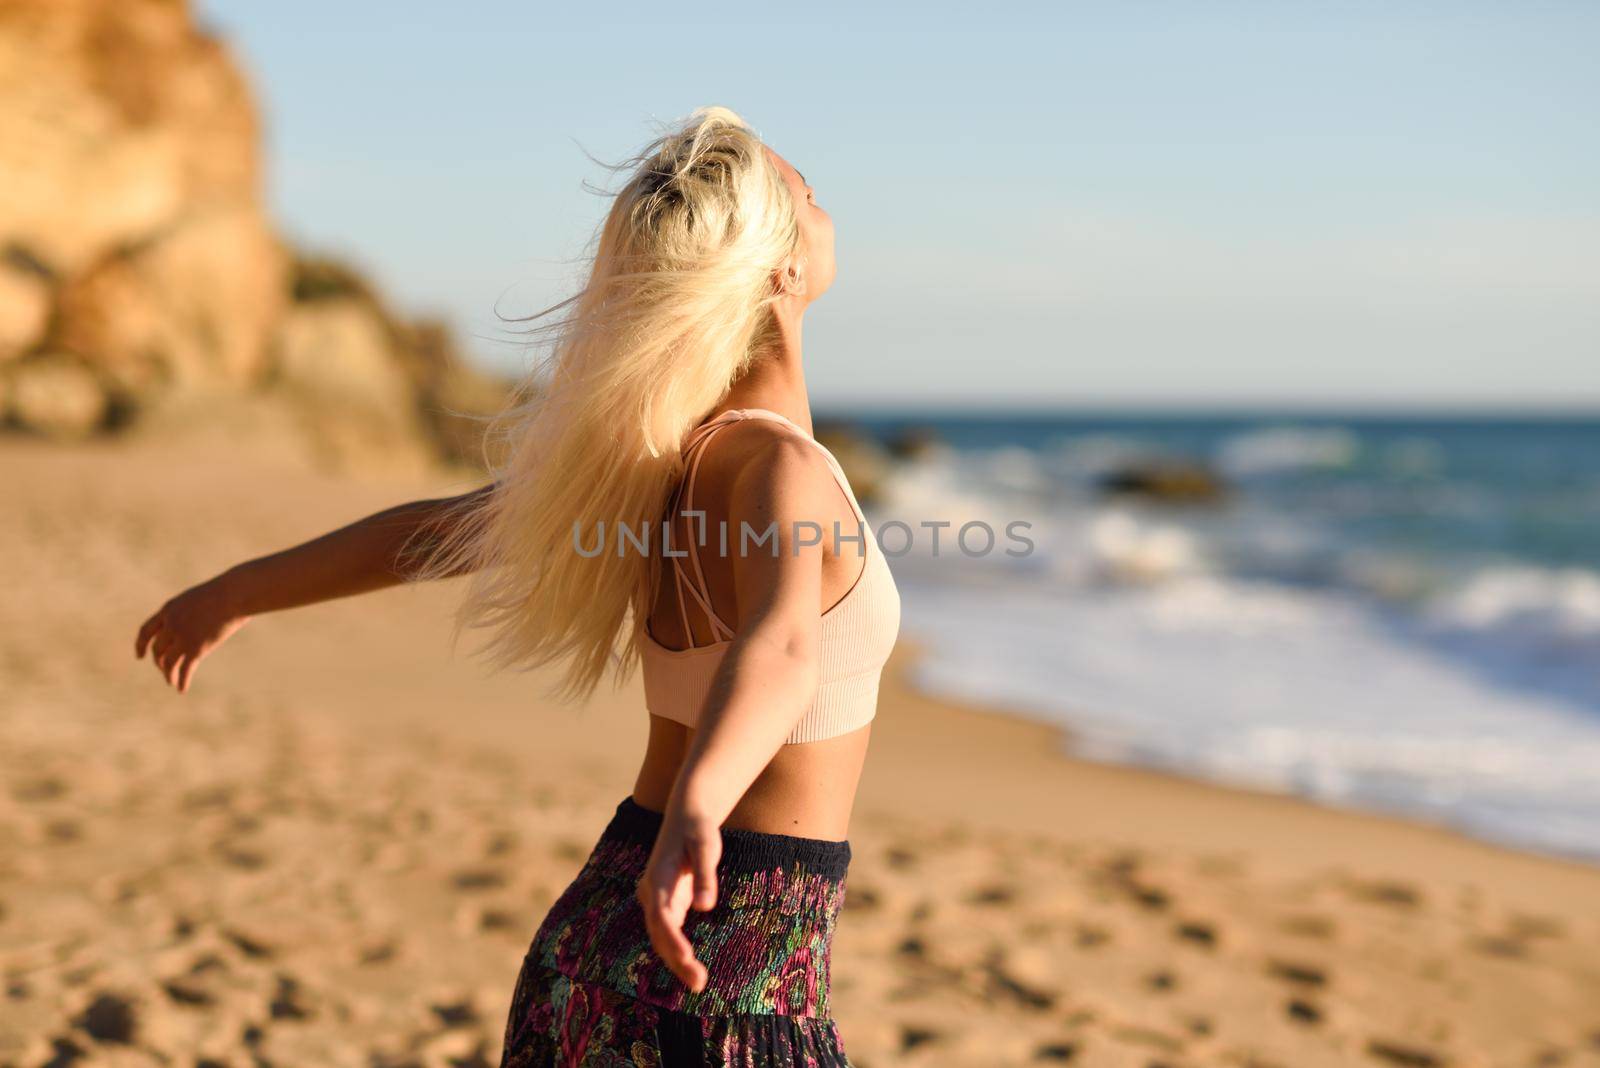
[(661, 503)]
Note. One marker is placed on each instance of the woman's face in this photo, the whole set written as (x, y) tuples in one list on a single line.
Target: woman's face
[(814, 259)]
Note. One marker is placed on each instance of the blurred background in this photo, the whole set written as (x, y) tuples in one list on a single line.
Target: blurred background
[(1278, 323)]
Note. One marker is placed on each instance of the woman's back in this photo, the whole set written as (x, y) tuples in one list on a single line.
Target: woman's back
[(809, 786)]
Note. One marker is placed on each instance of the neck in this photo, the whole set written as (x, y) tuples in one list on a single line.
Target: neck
[(776, 379)]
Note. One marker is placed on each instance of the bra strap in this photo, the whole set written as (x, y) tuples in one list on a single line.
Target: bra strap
[(695, 451), (697, 586)]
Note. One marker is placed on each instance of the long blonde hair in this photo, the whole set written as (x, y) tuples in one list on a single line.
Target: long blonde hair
[(677, 304)]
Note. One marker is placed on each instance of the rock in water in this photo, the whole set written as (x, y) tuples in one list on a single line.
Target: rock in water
[(866, 464), (1167, 481)]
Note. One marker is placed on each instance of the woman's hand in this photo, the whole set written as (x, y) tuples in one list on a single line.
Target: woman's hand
[(682, 871), (183, 631)]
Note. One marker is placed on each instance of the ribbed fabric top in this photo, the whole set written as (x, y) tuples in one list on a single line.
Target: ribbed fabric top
[(858, 632)]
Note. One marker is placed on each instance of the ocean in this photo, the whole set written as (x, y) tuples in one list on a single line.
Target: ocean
[(1385, 612)]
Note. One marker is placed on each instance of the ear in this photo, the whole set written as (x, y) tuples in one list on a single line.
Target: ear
[(791, 278)]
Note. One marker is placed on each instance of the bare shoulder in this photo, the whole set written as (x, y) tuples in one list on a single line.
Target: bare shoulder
[(774, 471)]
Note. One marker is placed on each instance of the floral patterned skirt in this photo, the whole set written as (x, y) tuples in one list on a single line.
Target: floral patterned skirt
[(592, 992)]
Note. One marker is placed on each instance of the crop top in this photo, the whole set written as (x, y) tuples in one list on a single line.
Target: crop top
[(858, 631)]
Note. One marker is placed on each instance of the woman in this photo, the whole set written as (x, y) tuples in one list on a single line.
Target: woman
[(662, 502)]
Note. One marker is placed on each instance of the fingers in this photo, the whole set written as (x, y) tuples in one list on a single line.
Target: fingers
[(186, 672), (674, 948), (166, 656), (170, 665), (158, 651), (703, 855), (151, 627), (665, 908)]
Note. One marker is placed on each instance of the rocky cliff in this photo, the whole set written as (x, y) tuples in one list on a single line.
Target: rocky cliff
[(143, 287)]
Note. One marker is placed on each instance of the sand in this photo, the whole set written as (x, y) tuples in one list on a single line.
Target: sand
[(334, 849)]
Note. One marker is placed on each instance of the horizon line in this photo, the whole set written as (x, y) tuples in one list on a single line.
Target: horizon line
[(1344, 408)]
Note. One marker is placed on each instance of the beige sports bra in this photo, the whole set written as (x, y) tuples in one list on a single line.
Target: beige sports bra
[(858, 632)]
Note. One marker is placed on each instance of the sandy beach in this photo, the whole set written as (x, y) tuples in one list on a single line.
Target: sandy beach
[(334, 849)]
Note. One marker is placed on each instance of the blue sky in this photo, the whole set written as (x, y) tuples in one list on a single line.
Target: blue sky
[(1310, 204)]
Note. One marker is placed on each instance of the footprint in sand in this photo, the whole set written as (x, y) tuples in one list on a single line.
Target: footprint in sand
[(187, 993), (1145, 894), (1401, 1054), (1297, 972), (80, 975), (1302, 1011), (1149, 1037), (1309, 925), (121, 889), (1020, 979), (1088, 936), (1151, 897), (570, 850), (1528, 927), (1121, 873), (219, 795), (455, 1012), (1385, 892), (993, 895), (1055, 1052), (1197, 932), (109, 1018), (40, 789), (472, 879), (206, 964), (288, 1002), (373, 954), (901, 858), (913, 947), (1161, 982), (241, 857), (457, 1050), (1498, 946), (1081, 1017), (62, 831), (493, 921), (251, 946), (252, 1035), (913, 1037), (64, 1053), (1516, 940), (862, 899), (500, 843)]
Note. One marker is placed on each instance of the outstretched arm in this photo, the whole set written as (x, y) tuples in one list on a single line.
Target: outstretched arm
[(765, 683), (358, 558)]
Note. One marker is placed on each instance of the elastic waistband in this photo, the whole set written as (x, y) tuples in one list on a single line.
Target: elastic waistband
[(742, 850)]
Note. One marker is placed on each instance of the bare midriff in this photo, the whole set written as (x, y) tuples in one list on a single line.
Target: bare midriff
[(807, 790)]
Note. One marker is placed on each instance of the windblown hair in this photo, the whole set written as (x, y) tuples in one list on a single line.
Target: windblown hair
[(678, 302)]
